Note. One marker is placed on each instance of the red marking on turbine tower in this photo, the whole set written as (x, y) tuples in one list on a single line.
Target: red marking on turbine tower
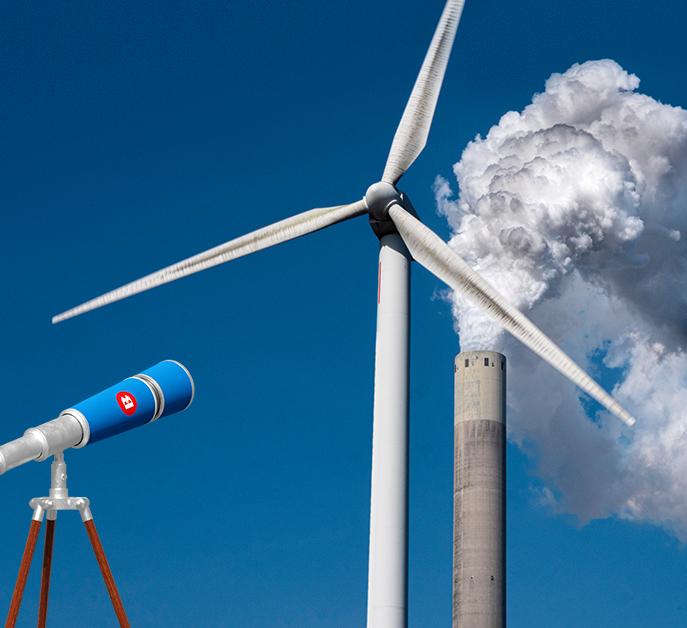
[(379, 284)]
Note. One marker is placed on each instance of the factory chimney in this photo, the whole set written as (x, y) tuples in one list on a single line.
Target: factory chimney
[(479, 497)]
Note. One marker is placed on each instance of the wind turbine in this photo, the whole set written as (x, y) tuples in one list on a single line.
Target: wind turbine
[(402, 238)]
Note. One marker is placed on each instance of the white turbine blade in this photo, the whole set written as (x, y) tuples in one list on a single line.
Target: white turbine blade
[(282, 231), (412, 132), (437, 257)]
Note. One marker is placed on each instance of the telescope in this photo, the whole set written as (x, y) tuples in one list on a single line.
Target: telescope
[(159, 391)]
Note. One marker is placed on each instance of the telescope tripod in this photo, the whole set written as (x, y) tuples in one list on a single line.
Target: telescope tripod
[(59, 500)]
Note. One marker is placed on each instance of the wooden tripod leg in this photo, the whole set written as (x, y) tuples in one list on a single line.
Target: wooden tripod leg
[(107, 574), (23, 573), (45, 573)]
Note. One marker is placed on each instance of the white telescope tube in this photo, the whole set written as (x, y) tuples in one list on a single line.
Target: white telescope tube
[(39, 443)]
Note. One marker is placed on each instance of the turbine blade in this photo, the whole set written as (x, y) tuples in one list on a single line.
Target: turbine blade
[(437, 257), (412, 132), (282, 231)]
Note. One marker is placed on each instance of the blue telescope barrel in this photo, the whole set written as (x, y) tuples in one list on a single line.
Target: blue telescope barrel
[(159, 391)]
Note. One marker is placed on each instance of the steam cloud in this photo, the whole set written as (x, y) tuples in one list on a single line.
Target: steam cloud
[(576, 210)]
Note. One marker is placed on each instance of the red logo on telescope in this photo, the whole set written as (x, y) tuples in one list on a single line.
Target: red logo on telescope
[(127, 402)]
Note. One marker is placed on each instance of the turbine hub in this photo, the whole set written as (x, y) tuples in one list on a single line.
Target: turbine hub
[(379, 198)]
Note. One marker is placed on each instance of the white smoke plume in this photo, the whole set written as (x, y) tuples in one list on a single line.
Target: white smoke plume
[(576, 210)]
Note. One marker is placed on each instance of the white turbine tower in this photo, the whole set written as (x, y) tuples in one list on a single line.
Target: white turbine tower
[(402, 238)]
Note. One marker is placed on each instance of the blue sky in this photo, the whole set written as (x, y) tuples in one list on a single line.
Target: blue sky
[(135, 134)]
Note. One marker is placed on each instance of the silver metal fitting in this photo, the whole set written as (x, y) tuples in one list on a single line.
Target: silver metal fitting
[(85, 427), (67, 430), (58, 497), (157, 393), (70, 429)]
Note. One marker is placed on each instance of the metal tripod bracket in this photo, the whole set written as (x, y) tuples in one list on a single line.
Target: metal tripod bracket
[(59, 495)]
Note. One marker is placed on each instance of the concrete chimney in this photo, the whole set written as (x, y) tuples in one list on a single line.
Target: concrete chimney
[(479, 497)]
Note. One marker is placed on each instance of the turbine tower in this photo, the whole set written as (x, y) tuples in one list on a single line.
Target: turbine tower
[(402, 238), (479, 497)]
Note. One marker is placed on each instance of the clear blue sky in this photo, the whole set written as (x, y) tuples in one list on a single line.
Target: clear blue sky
[(136, 133)]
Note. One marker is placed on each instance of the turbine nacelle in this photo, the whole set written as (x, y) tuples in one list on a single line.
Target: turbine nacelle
[(379, 198)]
